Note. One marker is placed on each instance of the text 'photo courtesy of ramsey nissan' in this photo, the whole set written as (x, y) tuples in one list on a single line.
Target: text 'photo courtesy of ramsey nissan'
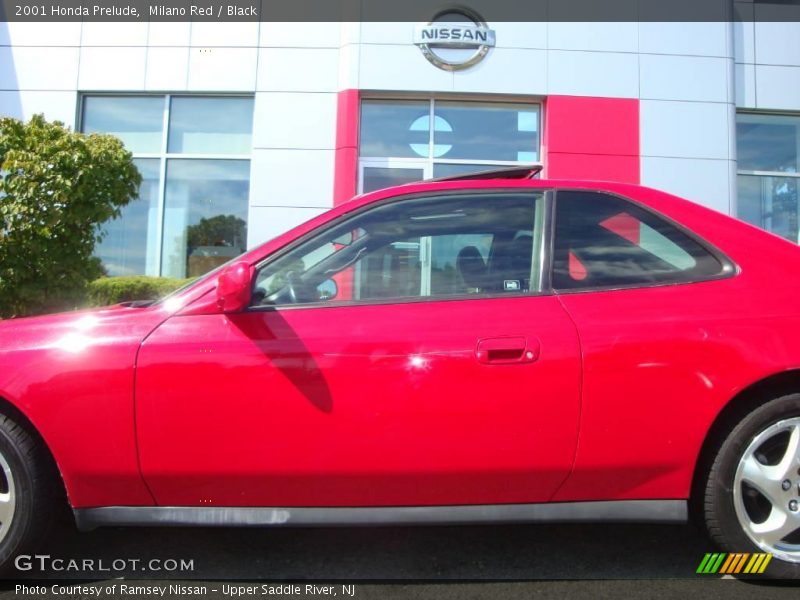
[(377, 299)]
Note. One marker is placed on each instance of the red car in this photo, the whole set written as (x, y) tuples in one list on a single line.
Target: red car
[(494, 348)]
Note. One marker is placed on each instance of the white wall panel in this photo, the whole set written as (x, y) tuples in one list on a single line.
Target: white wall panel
[(529, 68), (667, 77), (744, 41), (684, 129), (225, 34), (56, 106), (349, 62), (698, 39), (163, 33), (167, 69), (35, 33), (778, 88), (582, 73), (300, 35), (777, 43), (704, 181), (521, 35), (745, 80), (298, 69), (21, 68), (223, 69), (114, 34), (607, 37), (400, 68), (296, 178), (294, 120), (104, 68), (387, 33), (267, 222)]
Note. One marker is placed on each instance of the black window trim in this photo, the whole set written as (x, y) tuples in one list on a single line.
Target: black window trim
[(545, 251), (728, 267)]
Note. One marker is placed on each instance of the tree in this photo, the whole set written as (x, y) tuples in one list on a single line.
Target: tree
[(56, 188)]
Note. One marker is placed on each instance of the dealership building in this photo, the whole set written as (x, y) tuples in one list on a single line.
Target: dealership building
[(242, 130)]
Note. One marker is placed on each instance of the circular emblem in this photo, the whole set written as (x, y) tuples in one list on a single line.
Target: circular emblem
[(455, 39)]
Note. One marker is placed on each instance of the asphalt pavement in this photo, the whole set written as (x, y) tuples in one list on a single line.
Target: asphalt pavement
[(509, 561)]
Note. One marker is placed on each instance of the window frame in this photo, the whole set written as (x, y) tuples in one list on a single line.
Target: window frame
[(163, 155), (427, 163), (728, 267), (544, 242), (761, 174)]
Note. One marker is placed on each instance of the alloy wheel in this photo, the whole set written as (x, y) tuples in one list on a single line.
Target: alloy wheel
[(766, 490)]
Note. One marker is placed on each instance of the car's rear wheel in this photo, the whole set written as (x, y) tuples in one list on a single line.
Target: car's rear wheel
[(29, 494), (752, 494)]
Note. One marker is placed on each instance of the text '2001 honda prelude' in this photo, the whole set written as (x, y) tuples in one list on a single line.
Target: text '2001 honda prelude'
[(493, 348)]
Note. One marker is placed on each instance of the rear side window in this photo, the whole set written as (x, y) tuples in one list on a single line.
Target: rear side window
[(605, 241)]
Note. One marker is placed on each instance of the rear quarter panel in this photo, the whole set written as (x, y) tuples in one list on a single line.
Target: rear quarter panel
[(660, 363)]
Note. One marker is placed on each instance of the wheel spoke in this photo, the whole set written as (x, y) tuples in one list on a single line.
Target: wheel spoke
[(778, 525), (6, 508), (761, 477), (789, 460)]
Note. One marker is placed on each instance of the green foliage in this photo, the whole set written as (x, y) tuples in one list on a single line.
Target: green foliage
[(113, 290), (56, 188)]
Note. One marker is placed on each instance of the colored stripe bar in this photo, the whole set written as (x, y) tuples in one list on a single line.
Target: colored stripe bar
[(743, 558), (755, 561), (704, 562), (729, 563), (734, 563), (764, 564), (713, 568)]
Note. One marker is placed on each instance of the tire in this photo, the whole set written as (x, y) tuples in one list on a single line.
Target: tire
[(29, 493), (748, 506)]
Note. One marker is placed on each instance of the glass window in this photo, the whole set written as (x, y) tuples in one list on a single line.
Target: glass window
[(605, 241), (484, 131), (768, 148), (427, 247), (205, 218), (138, 122), (768, 142), (445, 137), (394, 128), (210, 125), (376, 178), (771, 203), (128, 247), (191, 213), (451, 169)]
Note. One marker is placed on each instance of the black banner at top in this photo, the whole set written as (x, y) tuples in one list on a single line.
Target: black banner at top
[(398, 10)]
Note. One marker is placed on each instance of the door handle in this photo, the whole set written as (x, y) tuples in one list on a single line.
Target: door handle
[(507, 350)]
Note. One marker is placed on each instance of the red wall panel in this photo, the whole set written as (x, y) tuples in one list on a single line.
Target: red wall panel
[(591, 138), (345, 172)]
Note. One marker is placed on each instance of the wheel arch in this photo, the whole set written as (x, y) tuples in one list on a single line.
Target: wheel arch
[(757, 393), (9, 409)]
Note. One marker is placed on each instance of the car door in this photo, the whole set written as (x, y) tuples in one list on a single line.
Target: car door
[(444, 375), (649, 301)]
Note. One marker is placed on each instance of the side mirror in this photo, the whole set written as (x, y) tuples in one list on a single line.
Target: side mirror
[(234, 287)]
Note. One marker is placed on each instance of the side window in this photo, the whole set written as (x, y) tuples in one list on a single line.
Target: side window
[(468, 244), (605, 241)]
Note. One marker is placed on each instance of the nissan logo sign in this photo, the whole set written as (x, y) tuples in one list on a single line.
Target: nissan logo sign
[(454, 39)]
